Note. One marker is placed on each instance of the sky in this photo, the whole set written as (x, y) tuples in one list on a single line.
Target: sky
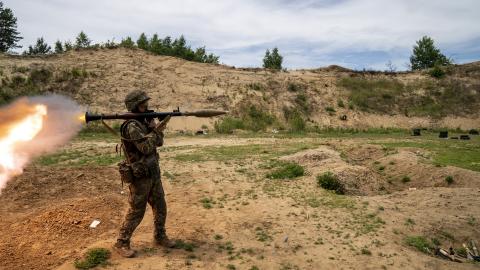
[(308, 33)]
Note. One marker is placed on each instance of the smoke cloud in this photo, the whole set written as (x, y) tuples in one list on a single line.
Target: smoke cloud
[(58, 126)]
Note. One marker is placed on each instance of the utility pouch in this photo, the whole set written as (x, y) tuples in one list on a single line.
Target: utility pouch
[(126, 172)]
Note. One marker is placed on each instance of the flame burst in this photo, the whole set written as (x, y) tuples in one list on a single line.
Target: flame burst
[(20, 124)]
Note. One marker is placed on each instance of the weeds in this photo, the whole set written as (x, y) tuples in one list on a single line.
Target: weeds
[(420, 243), (207, 203), (180, 244), (93, 258)]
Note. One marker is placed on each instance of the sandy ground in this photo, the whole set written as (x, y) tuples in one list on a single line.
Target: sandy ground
[(251, 220)]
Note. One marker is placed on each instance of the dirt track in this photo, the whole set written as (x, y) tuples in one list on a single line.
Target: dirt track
[(220, 200)]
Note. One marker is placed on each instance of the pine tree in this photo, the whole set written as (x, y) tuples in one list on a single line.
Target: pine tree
[(155, 44), (41, 47), (68, 46), (9, 36), (127, 43), (273, 60), (82, 41), (426, 55), (179, 47), (58, 47), (142, 42)]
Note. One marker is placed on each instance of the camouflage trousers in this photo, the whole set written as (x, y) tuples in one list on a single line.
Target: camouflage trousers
[(142, 191)]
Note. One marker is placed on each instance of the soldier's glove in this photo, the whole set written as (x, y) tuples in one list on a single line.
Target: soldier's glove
[(160, 127)]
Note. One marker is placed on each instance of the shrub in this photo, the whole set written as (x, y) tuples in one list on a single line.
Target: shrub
[(294, 119), (329, 181), (340, 103), (293, 87), (406, 179), (256, 119), (437, 72), (228, 124), (449, 179), (93, 257), (302, 101), (127, 43), (40, 75), (330, 109), (287, 170)]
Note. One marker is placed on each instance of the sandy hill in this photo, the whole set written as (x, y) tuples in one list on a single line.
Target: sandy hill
[(99, 79)]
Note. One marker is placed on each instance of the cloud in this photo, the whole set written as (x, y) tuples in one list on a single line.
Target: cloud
[(309, 33)]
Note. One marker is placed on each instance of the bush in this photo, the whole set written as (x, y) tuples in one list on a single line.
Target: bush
[(252, 119), (294, 119), (330, 109), (302, 101), (293, 87), (406, 179), (287, 170), (340, 103), (329, 181), (256, 119), (93, 257), (40, 75), (228, 124), (437, 72), (449, 179)]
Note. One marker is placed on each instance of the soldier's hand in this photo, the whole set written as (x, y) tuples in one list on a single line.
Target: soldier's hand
[(163, 124), (153, 124)]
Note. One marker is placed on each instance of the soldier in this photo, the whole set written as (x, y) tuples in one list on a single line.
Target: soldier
[(140, 141)]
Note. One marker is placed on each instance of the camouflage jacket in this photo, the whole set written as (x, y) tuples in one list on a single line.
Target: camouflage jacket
[(142, 143)]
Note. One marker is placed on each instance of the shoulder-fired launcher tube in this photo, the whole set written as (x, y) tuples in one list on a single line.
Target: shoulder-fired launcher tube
[(125, 116)]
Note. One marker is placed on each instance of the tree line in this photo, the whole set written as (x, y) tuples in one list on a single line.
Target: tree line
[(167, 46), (425, 54)]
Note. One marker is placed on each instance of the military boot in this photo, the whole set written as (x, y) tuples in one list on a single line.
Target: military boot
[(123, 249), (164, 242)]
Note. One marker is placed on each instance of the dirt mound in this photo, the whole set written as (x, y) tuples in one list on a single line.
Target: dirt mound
[(357, 180), (417, 166)]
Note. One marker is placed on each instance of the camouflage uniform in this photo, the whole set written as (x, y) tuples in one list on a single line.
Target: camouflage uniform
[(142, 145)]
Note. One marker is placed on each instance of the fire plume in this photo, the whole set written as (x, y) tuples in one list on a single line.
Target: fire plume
[(23, 129), (30, 127)]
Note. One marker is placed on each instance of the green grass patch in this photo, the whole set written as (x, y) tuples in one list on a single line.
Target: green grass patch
[(420, 243), (446, 152), (236, 152), (286, 170), (94, 257)]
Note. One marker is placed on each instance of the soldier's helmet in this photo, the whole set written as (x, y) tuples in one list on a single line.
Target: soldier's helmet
[(135, 98)]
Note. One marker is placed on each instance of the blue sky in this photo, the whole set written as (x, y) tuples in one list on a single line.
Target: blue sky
[(309, 33)]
